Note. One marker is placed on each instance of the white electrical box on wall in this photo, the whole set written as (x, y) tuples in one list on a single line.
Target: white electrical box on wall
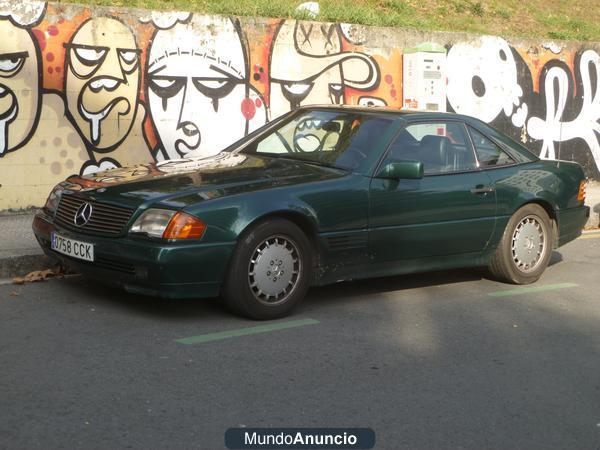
[(424, 78)]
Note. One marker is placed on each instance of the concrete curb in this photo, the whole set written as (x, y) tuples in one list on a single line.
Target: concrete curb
[(16, 266)]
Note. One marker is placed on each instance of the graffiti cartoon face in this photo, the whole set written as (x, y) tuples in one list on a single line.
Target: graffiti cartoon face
[(308, 66), (197, 87), (19, 86), (102, 81)]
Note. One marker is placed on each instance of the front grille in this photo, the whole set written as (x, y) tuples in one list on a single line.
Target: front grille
[(105, 262), (106, 219)]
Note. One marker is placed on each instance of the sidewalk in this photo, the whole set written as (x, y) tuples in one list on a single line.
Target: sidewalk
[(592, 199), (20, 252)]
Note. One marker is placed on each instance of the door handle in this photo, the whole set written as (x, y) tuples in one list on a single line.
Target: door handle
[(480, 189)]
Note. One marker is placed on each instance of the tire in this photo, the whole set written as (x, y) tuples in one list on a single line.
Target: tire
[(270, 270), (516, 260)]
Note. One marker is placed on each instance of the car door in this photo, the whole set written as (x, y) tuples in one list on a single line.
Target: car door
[(506, 173), (450, 211)]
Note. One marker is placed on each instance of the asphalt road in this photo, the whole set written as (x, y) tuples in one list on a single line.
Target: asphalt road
[(427, 361)]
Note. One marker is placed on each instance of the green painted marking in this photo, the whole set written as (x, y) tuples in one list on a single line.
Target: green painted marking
[(531, 289), (590, 236), (245, 331)]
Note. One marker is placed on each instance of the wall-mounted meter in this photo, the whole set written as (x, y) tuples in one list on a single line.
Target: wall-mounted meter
[(424, 78)]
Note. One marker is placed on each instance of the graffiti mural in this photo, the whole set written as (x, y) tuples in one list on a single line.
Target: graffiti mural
[(101, 85), (308, 66), (85, 89), (482, 79), (38, 144), (198, 88), (492, 81), (560, 101), (20, 79)]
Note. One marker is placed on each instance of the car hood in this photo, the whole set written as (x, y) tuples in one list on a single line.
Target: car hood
[(182, 182)]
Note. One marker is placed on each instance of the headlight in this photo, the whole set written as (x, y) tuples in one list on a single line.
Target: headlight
[(152, 222), (167, 224), (53, 199)]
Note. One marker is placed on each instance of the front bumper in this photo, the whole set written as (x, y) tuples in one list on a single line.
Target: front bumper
[(169, 270)]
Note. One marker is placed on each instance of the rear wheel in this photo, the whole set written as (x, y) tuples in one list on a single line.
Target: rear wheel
[(270, 270), (526, 246)]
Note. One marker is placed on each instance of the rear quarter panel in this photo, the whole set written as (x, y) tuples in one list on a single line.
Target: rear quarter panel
[(553, 184)]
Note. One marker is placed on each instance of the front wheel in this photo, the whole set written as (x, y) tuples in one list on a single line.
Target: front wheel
[(526, 246), (270, 270)]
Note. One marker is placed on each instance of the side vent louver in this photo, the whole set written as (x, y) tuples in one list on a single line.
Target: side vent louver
[(347, 242)]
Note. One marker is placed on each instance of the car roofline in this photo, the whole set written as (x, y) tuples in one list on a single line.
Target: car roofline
[(390, 110)]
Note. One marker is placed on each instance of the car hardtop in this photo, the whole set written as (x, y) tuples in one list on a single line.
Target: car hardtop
[(410, 116)]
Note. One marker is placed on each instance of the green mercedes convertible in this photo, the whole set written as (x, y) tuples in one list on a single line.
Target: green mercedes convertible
[(320, 195)]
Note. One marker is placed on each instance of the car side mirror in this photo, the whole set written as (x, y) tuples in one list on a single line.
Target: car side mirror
[(408, 170)]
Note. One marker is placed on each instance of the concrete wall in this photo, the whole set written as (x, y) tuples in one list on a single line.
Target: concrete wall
[(85, 89)]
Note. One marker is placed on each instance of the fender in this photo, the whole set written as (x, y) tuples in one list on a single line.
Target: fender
[(333, 205)]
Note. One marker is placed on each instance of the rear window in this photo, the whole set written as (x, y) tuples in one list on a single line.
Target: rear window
[(517, 151)]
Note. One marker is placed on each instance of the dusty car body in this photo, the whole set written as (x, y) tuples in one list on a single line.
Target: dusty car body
[(319, 195)]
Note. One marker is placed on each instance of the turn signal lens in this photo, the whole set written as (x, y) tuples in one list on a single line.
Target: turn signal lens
[(53, 199), (581, 193), (184, 226)]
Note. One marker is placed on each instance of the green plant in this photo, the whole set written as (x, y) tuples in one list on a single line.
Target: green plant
[(477, 9), (577, 20)]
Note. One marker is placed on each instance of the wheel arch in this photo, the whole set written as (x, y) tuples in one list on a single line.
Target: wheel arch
[(547, 206), (307, 225), (501, 263)]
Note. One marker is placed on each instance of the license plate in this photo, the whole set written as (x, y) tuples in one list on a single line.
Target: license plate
[(71, 247)]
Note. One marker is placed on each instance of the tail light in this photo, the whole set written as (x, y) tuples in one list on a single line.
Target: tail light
[(184, 226), (581, 193)]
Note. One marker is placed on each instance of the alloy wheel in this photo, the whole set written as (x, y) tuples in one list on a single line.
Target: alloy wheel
[(528, 243), (274, 270)]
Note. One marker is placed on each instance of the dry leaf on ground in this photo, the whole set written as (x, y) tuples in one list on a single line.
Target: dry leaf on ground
[(41, 275)]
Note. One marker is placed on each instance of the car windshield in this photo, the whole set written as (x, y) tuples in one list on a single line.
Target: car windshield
[(331, 138)]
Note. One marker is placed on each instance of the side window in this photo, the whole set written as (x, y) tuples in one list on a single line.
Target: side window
[(488, 153), (442, 147)]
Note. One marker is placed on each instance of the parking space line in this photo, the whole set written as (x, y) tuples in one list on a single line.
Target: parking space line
[(590, 235), (531, 289), (245, 331)]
